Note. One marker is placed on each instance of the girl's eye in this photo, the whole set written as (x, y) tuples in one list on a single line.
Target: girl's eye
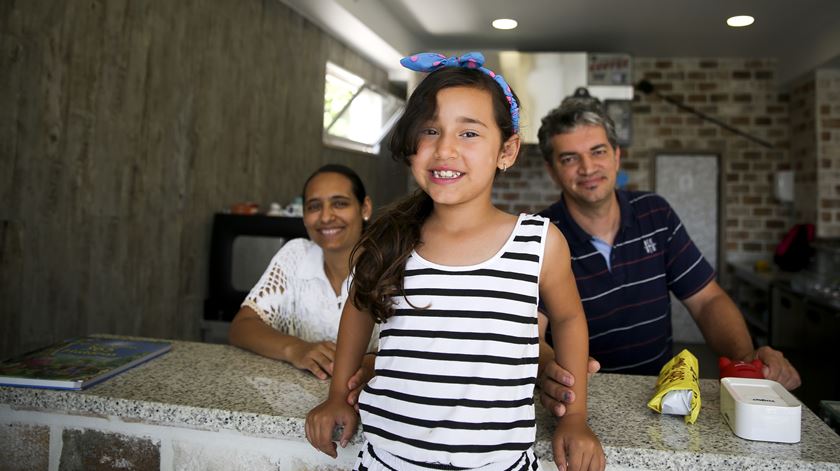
[(469, 134), (340, 204), (428, 132)]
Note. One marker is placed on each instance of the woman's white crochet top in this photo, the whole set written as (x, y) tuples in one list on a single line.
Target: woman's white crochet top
[(295, 297)]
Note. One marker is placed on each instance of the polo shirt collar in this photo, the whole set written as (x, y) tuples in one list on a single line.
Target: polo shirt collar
[(313, 263), (561, 211), (626, 209), (312, 268)]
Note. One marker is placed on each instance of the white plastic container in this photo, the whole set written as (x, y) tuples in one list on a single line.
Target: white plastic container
[(760, 409)]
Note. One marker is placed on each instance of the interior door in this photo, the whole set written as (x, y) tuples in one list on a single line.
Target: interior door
[(690, 183)]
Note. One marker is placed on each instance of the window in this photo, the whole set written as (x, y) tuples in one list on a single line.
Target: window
[(357, 115)]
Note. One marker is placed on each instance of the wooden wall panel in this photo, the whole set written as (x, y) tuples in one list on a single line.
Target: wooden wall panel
[(124, 125)]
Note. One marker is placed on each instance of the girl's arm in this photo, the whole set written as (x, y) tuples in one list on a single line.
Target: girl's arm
[(568, 322), (354, 332), (552, 379), (574, 443)]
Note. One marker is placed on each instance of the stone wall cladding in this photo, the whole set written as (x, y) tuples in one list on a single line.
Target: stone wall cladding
[(24, 447), (96, 450)]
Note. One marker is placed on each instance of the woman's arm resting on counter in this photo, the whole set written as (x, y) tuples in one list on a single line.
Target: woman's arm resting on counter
[(249, 331)]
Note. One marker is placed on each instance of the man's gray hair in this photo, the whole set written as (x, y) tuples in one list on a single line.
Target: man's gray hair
[(574, 112)]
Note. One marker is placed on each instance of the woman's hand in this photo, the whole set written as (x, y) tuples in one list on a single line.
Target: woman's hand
[(556, 386), (317, 357), (322, 420), (575, 447)]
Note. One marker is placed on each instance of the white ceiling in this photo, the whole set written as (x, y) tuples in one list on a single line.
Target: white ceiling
[(801, 34)]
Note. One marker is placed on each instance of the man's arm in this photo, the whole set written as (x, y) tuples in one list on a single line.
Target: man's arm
[(725, 331)]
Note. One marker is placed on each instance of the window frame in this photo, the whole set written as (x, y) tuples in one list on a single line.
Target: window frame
[(342, 142)]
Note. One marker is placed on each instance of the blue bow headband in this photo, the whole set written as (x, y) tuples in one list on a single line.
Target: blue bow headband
[(431, 61)]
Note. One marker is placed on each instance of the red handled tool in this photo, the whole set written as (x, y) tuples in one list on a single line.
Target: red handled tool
[(740, 369)]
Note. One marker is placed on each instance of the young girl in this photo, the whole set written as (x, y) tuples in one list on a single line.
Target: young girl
[(455, 283)]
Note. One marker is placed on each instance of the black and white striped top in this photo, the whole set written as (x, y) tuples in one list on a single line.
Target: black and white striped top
[(455, 376)]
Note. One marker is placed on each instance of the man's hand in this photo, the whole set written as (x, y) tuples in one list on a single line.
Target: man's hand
[(555, 383), (317, 357), (778, 368), (359, 379)]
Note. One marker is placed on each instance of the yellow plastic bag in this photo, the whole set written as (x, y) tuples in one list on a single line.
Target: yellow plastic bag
[(678, 387)]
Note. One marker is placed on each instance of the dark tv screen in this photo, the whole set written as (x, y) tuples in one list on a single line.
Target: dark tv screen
[(251, 255), (241, 247)]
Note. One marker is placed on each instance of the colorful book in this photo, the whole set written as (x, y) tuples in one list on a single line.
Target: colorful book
[(78, 363)]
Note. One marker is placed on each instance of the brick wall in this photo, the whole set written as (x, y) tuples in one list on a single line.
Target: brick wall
[(740, 92), (525, 187), (828, 152), (803, 149)]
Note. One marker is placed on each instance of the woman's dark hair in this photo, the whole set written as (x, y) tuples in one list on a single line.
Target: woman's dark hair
[(387, 243), (356, 183)]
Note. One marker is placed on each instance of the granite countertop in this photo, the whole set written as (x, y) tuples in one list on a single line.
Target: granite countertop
[(212, 387)]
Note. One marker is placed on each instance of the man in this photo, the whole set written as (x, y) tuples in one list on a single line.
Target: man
[(629, 250)]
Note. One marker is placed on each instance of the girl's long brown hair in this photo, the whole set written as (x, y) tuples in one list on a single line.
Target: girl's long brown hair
[(386, 244)]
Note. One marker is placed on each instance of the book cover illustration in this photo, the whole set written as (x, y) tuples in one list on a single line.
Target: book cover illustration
[(78, 363)]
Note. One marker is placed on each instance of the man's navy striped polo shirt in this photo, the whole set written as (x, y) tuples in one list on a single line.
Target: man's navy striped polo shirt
[(628, 308)]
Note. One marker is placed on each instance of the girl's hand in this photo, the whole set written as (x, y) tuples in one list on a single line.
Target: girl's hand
[(322, 420), (575, 447), (317, 357)]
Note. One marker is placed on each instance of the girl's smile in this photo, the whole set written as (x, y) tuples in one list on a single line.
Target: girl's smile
[(445, 176)]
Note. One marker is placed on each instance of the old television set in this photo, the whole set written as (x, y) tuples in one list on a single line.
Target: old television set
[(241, 247)]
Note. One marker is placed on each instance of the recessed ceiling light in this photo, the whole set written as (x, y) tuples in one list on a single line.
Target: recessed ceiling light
[(504, 23), (740, 20)]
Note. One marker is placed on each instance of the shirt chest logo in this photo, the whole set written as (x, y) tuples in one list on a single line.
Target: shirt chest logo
[(650, 245)]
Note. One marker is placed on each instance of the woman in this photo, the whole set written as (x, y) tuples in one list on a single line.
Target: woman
[(292, 313)]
